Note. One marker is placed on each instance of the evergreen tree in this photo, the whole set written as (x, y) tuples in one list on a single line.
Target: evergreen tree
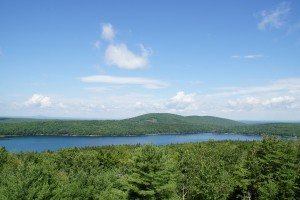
[(152, 175), (273, 170)]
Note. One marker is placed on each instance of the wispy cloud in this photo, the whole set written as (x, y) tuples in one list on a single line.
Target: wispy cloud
[(122, 57), (291, 84), (294, 27), (274, 18), (250, 56), (279, 99), (253, 56), (97, 44), (108, 32), (287, 85), (249, 103), (146, 83), (103, 89)]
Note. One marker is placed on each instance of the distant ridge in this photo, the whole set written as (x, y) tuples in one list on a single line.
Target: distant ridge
[(153, 123), (17, 120), (167, 118)]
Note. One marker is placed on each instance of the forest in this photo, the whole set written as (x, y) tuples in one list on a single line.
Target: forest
[(155, 123), (266, 169)]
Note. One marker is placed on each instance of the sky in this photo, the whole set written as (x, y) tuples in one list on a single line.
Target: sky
[(114, 59)]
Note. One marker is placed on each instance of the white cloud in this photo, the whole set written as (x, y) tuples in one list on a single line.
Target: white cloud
[(274, 18), (249, 103), (38, 100), (122, 57), (108, 32), (181, 102), (279, 86), (97, 44), (253, 56), (103, 89), (276, 100), (41, 101), (181, 97), (246, 103), (146, 83), (250, 56), (118, 54), (280, 100)]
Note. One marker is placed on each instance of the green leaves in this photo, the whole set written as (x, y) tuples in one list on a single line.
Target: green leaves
[(145, 124), (267, 169), (270, 170), (152, 174)]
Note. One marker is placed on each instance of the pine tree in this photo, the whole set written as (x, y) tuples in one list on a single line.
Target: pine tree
[(273, 170), (152, 175)]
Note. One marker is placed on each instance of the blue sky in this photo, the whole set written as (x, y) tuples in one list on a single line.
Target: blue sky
[(118, 59)]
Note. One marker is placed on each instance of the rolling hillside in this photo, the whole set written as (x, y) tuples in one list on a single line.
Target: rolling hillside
[(154, 123), (166, 118)]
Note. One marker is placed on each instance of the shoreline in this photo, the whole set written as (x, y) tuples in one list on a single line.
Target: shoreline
[(154, 134)]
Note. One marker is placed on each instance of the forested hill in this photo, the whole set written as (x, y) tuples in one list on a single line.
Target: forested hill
[(155, 123), (167, 118)]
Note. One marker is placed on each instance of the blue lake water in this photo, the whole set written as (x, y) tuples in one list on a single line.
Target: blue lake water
[(43, 143)]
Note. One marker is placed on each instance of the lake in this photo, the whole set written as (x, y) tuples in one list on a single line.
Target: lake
[(43, 143)]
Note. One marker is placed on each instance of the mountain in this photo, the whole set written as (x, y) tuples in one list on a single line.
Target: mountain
[(153, 123), (167, 118)]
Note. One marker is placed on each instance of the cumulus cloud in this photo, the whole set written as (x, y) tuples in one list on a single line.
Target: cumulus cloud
[(274, 18), (279, 101), (108, 32), (181, 102), (181, 97), (119, 55), (38, 100), (146, 83), (261, 102), (122, 57)]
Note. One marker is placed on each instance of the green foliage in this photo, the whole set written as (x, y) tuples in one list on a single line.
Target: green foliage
[(206, 170), (16, 120), (151, 175), (146, 124), (267, 169)]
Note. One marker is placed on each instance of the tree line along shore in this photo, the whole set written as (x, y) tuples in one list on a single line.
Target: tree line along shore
[(157, 123)]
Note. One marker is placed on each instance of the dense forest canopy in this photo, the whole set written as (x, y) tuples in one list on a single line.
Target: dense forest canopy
[(267, 169), (156, 123)]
